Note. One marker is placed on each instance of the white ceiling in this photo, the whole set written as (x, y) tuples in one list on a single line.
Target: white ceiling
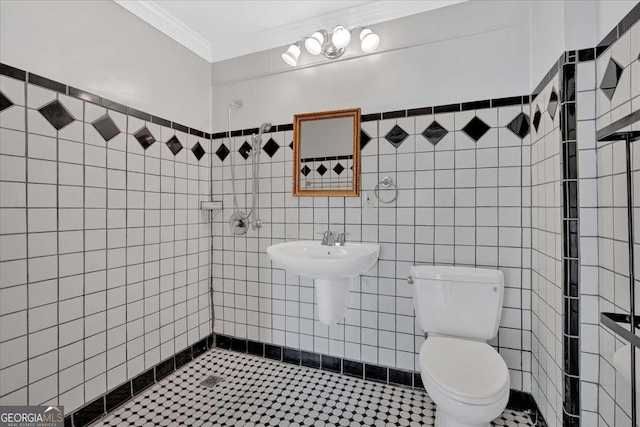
[(219, 30)]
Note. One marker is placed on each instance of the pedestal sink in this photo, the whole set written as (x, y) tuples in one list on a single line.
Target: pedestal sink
[(334, 269)]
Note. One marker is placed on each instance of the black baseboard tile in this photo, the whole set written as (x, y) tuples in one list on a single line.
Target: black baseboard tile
[(352, 368), (165, 368), (255, 348), (118, 396), (200, 347), (223, 341), (375, 373), (523, 401), (330, 363), (398, 377), (238, 344), (89, 413), (417, 381), (143, 381), (290, 355), (310, 360), (273, 352), (183, 357)]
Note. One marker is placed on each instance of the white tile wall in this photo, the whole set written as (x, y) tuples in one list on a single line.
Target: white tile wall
[(462, 203), (104, 255), (626, 98), (546, 264), (612, 401)]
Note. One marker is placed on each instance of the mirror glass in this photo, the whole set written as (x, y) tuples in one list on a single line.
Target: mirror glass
[(326, 153)]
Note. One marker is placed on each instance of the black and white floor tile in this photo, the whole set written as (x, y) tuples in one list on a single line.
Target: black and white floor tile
[(260, 392)]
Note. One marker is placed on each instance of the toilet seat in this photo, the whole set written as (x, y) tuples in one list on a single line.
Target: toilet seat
[(469, 372)]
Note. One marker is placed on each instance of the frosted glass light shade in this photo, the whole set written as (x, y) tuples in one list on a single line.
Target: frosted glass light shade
[(369, 40), (291, 55), (341, 37), (314, 43)]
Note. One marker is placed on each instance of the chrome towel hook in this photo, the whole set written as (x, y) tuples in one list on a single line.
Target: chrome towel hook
[(386, 183)]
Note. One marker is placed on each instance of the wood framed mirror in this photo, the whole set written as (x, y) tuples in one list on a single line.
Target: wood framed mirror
[(326, 153)]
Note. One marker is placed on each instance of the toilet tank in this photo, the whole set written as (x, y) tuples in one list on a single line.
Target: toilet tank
[(463, 302)]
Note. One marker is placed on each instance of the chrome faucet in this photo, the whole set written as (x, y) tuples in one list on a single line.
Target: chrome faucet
[(328, 239)]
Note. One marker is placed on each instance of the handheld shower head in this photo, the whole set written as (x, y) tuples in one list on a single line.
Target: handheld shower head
[(236, 104), (264, 127)]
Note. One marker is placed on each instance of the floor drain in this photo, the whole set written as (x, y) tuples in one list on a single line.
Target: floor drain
[(211, 381)]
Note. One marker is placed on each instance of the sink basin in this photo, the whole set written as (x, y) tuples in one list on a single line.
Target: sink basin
[(334, 268), (311, 259)]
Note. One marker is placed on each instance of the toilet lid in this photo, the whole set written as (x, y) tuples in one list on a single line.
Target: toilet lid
[(469, 369)]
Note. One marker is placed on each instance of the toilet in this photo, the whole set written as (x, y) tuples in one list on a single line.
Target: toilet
[(459, 308)]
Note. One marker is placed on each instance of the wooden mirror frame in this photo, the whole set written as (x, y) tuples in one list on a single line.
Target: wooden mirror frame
[(297, 122)]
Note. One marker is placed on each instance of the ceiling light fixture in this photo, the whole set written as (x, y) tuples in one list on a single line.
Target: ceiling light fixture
[(331, 46), (292, 54)]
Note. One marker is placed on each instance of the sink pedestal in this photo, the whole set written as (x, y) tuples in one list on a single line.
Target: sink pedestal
[(332, 298)]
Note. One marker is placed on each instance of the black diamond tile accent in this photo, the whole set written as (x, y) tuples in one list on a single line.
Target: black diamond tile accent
[(222, 152), (106, 127), (364, 139), (321, 169), (174, 145), (536, 118), (305, 170), (144, 137), (338, 169), (271, 147), (475, 129), (520, 125), (4, 102), (553, 104), (396, 136), (434, 133), (244, 150), (57, 115), (611, 78), (197, 151), (291, 145)]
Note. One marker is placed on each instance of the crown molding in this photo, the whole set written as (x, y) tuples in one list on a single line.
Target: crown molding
[(367, 14), (157, 17)]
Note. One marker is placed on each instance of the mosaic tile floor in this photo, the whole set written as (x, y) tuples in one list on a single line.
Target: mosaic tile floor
[(260, 392)]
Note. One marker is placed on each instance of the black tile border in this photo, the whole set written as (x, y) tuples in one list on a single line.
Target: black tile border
[(518, 400), (16, 73), (570, 240), (114, 398), (397, 114), (618, 31)]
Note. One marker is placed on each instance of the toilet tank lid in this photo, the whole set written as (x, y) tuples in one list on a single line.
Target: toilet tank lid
[(458, 274)]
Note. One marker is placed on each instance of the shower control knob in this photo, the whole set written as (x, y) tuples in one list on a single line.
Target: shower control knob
[(258, 223)]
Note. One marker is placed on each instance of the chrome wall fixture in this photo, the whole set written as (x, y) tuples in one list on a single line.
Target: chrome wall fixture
[(332, 45)]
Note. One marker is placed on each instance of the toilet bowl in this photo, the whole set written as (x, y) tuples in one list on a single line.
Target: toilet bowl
[(467, 380), (460, 308)]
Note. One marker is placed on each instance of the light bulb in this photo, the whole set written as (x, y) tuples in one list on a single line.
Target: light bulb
[(369, 40), (341, 37), (291, 55), (314, 43)]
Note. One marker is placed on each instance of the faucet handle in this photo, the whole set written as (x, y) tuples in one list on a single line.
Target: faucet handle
[(327, 238), (342, 239)]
